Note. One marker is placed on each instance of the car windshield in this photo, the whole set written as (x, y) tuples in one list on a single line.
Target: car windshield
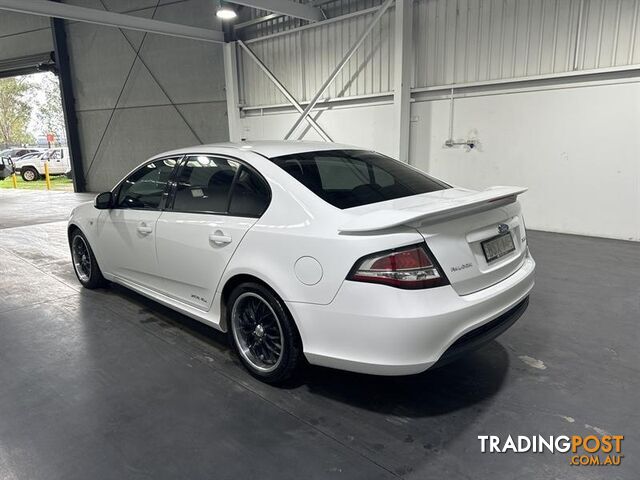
[(351, 178)]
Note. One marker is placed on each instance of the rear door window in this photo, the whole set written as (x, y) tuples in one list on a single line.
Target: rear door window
[(351, 178), (204, 184)]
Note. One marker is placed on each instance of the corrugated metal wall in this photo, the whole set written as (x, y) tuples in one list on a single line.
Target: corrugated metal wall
[(491, 39), (304, 58), (505, 39), (455, 42)]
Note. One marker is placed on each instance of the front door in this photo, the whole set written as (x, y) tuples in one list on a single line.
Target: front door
[(216, 201), (128, 231)]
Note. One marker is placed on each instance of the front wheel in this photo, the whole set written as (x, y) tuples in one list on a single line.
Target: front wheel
[(30, 174), (263, 333), (84, 262)]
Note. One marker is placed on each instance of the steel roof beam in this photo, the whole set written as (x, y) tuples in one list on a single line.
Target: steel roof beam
[(285, 7), (111, 19)]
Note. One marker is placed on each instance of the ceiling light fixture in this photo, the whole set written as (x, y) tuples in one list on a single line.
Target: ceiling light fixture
[(225, 12)]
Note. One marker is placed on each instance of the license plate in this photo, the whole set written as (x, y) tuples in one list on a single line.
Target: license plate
[(498, 247)]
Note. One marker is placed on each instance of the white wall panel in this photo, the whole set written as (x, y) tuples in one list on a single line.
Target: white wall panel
[(372, 122), (576, 149)]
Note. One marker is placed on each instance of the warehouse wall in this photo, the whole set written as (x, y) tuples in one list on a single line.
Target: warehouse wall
[(130, 107), (22, 35), (549, 89), (455, 42), (576, 148)]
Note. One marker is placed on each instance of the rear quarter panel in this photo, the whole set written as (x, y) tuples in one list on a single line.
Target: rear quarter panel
[(299, 224)]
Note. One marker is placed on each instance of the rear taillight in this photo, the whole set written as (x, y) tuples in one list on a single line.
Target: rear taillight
[(409, 267)]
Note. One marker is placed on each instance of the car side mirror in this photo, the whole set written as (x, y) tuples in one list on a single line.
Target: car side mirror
[(104, 201)]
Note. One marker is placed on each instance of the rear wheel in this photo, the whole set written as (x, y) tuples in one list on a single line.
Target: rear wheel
[(29, 174), (263, 333), (84, 262)]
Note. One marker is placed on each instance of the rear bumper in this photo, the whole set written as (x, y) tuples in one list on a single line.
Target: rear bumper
[(478, 337), (382, 330)]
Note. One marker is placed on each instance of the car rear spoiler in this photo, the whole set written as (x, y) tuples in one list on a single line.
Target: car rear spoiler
[(433, 211)]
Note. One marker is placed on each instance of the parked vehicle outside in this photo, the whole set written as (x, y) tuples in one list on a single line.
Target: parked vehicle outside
[(318, 251), (18, 152), (32, 167)]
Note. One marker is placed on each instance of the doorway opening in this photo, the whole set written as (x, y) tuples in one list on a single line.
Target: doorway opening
[(33, 144)]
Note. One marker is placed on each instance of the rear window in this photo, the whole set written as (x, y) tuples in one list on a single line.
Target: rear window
[(351, 178)]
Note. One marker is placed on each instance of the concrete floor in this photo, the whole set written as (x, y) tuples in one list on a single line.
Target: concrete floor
[(109, 385)]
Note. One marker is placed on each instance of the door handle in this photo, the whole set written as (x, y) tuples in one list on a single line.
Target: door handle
[(144, 229), (219, 238)]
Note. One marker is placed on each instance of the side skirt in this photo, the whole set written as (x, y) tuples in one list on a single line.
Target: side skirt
[(211, 318)]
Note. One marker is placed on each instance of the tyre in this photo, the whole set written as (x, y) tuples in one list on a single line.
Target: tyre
[(263, 333), (29, 174), (84, 261)]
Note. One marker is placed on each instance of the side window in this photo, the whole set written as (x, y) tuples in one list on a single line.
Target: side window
[(204, 183), (145, 186), (250, 196)]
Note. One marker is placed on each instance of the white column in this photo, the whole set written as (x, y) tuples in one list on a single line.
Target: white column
[(231, 88), (403, 61)]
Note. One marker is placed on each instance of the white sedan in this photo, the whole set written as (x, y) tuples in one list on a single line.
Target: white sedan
[(321, 251)]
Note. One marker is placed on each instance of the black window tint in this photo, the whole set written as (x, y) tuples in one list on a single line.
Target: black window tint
[(351, 178), (145, 186), (337, 174), (250, 196), (203, 184), (382, 177)]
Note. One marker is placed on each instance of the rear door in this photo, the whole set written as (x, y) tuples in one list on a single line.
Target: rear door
[(127, 232), (214, 202)]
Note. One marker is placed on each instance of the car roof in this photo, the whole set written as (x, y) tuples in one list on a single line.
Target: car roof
[(269, 149)]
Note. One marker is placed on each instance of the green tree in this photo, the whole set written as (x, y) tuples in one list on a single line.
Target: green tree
[(49, 115), (15, 111)]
